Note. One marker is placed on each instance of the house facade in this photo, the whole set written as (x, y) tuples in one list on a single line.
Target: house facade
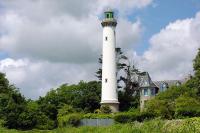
[(149, 88)]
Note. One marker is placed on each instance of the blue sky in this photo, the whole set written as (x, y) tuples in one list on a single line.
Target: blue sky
[(160, 14)]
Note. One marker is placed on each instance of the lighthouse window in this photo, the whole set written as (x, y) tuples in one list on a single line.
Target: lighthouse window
[(106, 38), (107, 15), (106, 80)]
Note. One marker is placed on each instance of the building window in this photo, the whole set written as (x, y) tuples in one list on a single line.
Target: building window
[(164, 86), (145, 92), (153, 92), (106, 80), (106, 38)]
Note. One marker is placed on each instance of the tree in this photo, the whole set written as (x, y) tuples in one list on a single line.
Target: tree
[(196, 79), (82, 97)]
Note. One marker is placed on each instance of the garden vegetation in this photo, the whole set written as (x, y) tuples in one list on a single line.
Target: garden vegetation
[(61, 109)]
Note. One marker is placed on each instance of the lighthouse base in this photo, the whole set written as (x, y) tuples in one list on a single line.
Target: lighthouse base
[(113, 106)]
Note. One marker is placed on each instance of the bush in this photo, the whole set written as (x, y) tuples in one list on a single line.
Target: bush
[(69, 120), (187, 107), (145, 116), (43, 122), (161, 108), (97, 116), (65, 110), (105, 109), (127, 117), (97, 111)]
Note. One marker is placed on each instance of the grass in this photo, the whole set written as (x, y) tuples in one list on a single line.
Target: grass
[(191, 125)]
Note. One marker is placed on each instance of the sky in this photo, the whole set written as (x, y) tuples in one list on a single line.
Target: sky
[(46, 43)]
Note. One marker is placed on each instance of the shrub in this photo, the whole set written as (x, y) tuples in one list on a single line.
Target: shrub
[(43, 122), (105, 109), (69, 120), (161, 108), (97, 116), (97, 111), (65, 110), (187, 107), (127, 117), (145, 116)]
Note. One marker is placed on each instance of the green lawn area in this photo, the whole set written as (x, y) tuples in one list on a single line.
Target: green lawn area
[(191, 125)]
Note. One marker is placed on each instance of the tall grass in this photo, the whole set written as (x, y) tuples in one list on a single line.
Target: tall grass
[(191, 125)]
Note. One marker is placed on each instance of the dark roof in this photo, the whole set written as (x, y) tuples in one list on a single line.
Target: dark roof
[(168, 82), (145, 81)]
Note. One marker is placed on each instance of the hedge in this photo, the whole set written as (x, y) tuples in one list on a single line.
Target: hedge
[(127, 117)]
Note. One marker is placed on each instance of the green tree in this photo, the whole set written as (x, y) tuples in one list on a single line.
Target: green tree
[(196, 79)]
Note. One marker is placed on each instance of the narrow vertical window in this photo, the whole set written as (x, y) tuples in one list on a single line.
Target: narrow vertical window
[(106, 80), (106, 38), (153, 92), (107, 15), (146, 92)]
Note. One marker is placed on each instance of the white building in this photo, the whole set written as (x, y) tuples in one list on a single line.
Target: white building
[(109, 95)]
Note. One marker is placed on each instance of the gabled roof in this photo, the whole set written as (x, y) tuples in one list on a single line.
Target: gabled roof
[(168, 82), (145, 81)]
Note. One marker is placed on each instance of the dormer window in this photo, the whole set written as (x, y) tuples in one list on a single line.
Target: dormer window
[(164, 86)]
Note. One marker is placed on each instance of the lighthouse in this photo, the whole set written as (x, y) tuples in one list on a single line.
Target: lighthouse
[(109, 94)]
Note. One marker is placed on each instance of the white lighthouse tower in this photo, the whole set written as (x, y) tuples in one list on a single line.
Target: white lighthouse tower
[(109, 94)]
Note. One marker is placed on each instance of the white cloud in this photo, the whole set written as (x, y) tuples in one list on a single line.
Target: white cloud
[(35, 78), (124, 7), (172, 50), (50, 42), (63, 37)]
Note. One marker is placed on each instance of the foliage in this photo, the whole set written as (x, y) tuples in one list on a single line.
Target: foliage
[(196, 78), (187, 107), (19, 113), (97, 116), (70, 99), (128, 101), (161, 108), (43, 122), (69, 120), (168, 104), (97, 111), (191, 125), (127, 117), (65, 110), (105, 109)]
